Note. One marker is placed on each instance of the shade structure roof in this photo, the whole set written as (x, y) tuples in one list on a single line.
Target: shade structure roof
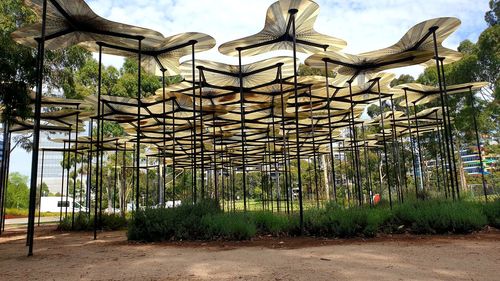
[(226, 75), (277, 34), (352, 65), (161, 54), (72, 22), (207, 118), (420, 94), (415, 47), (21, 126), (419, 37), (50, 101)]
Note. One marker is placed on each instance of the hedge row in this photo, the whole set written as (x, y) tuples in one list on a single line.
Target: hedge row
[(205, 221)]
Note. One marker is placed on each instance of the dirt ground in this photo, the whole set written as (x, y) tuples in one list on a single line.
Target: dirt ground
[(75, 256)]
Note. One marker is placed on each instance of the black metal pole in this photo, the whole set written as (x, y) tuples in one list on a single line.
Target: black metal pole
[(243, 134), (419, 149), (411, 144), (355, 150), (478, 144), (164, 167), (62, 183), (330, 132), (194, 124), (76, 171), (68, 163), (395, 146), (115, 181), (385, 143), (99, 86), (202, 140), (443, 107), (41, 186), (450, 131), (36, 132), (292, 13), (138, 135), (173, 152)]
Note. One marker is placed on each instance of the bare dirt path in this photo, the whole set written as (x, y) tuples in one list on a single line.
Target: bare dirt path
[(75, 256)]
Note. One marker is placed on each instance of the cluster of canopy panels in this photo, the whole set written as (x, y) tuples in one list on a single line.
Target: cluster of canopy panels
[(255, 116)]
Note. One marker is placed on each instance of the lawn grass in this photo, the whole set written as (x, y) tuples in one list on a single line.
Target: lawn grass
[(24, 213)]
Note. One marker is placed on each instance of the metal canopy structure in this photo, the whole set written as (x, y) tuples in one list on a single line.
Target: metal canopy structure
[(229, 119)]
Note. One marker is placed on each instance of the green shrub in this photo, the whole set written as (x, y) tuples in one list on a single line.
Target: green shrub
[(206, 221), (84, 222), (492, 212), (231, 226), (438, 217), (183, 222), (275, 224), (113, 222), (340, 222)]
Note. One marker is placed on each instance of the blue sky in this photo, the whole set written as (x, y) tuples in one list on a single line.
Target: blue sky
[(365, 25)]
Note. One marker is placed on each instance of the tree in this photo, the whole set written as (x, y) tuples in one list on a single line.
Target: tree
[(17, 63), (17, 192), (492, 16), (402, 79)]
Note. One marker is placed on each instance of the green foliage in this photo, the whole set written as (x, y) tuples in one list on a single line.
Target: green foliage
[(493, 15), (17, 192), (402, 79), (346, 222), (84, 222), (492, 212), (230, 226), (204, 221), (24, 213), (17, 63), (183, 222), (438, 217), (275, 224)]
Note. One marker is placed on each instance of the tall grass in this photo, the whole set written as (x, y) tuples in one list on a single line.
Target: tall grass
[(205, 221)]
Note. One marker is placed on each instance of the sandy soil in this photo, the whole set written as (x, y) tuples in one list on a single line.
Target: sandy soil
[(75, 256)]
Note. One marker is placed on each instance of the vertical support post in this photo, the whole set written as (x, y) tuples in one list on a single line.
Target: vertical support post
[(115, 181), (330, 132), (243, 133), (478, 144), (411, 144), (98, 148), (138, 135), (382, 117), (36, 132), (41, 186), (419, 149), (173, 151), (194, 124), (76, 170), (292, 13), (449, 155)]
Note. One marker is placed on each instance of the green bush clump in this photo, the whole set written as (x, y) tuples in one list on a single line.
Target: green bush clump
[(205, 221), (340, 222), (439, 217), (183, 222), (492, 212), (84, 222), (275, 224), (230, 226)]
